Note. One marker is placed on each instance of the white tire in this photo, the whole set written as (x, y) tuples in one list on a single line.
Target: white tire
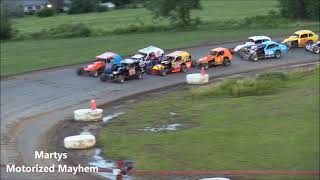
[(79, 141), (197, 78), (88, 115)]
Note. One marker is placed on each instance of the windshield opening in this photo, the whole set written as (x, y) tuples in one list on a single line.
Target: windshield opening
[(295, 35), (169, 58), (250, 40), (213, 53)]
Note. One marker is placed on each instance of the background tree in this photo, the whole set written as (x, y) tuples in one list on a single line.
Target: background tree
[(5, 24), (57, 4), (83, 6), (300, 9), (178, 11), (120, 3)]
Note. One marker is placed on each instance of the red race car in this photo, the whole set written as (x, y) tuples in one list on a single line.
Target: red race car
[(98, 65)]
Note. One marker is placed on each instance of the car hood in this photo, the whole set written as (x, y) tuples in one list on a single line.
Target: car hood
[(205, 59), (291, 38)]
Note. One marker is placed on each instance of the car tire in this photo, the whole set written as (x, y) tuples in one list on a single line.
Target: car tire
[(226, 62), (163, 72), (204, 65), (317, 50), (138, 75), (277, 55), (294, 44), (80, 71), (94, 73), (183, 68), (254, 58), (120, 79), (309, 42), (103, 77)]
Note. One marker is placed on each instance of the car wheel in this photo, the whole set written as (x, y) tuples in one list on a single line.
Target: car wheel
[(254, 58), (103, 77), (163, 72), (183, 68), (294, 44), (277, 54), (94, 73), (226, 62), (205, 65), (139, 75), (80, 71), (120, 78), (317, 50), (309, 43)]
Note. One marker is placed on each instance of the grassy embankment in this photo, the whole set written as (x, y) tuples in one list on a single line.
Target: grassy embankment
[(268, 123), (23, 56)]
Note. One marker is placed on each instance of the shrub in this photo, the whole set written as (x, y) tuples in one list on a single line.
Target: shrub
[(101, 8), (263, 84), (64, 31), (5, 27), (46, 12), (82, 6)]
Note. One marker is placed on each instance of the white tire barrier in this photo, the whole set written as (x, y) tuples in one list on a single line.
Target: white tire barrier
[(88, 114), (197, 78), (79, 141)]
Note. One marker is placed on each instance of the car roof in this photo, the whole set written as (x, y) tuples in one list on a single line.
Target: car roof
[(106, 55), (218, 49), (269, 42), (303, 31), (178, 53), (150, 49), (259, 37), (128, 61)]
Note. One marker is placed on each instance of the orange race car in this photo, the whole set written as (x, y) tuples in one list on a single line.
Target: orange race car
[(217, 56)]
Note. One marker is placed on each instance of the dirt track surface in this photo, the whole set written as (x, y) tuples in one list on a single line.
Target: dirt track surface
[(33, 103)]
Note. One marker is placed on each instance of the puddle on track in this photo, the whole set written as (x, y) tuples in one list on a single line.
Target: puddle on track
[(110, 117), (167, 127), (100, 162)]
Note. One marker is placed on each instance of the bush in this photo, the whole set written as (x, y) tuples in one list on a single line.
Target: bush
[(64, 31), (46, 12), (82, 6), (5, 28), (263, 84), (101, 9), (300, 9)]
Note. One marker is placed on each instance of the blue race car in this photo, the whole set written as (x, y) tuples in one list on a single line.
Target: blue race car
[(112, 60), (268, 49)]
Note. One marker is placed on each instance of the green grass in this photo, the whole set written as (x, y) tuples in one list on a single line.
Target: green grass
[(212, 11), (279, 131), (23, 56)]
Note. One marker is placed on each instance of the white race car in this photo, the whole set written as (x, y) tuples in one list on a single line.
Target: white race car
[(250, 42)]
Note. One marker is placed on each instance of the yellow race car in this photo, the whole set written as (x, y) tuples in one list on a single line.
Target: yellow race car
[(301, 38)]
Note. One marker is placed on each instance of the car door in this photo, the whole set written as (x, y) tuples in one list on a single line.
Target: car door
[(303, 39), (219, 57), (269, 50)]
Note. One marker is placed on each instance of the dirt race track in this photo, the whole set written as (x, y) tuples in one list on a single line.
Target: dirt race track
[(34, 102)]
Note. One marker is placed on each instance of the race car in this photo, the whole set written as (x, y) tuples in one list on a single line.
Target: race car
[(217, 56), (315, 48), (128, 69), (111, 64), (178, 61), (300, 39), (250, 42), (269, 49), (150, 55), (99, 64)]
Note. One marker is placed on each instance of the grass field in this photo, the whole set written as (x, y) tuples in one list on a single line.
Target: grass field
[(212, 11), (278, 131), (23, 56), (28, 55)]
